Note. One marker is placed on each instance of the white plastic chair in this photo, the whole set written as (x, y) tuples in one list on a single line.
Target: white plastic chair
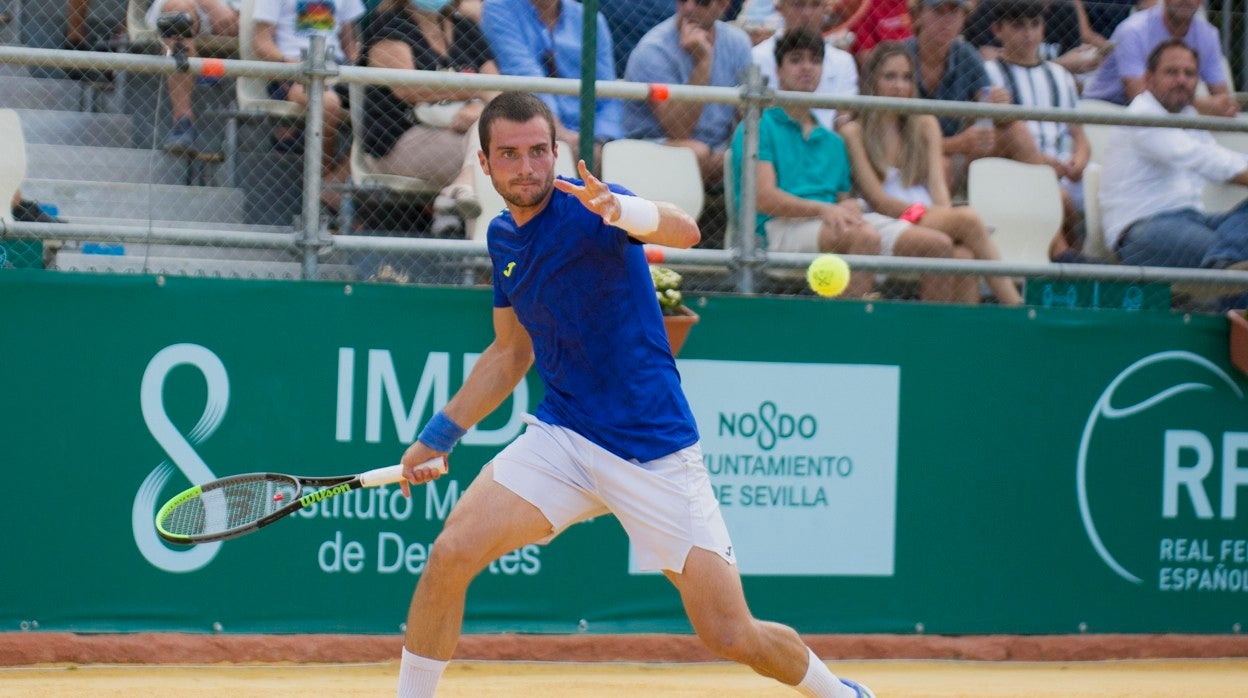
[(492, 202), (655, 171), (1021, 202), (364, 177), (1094, 240), (1218, 197), (13, 164), (1098, 134)]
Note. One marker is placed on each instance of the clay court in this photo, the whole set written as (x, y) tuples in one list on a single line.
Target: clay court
[(44, 664)]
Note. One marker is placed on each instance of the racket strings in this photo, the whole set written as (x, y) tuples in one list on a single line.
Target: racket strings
[(235, 504)]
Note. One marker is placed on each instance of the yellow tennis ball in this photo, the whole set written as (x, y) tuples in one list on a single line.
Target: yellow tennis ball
[(828, 275)]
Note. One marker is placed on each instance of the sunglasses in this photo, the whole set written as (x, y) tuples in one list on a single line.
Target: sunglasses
[(699, 3)]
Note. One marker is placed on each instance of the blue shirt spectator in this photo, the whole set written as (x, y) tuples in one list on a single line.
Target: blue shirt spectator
[(524, 44), (659, 58)]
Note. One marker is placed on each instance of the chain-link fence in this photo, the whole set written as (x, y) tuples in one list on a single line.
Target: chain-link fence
[(202, 137)]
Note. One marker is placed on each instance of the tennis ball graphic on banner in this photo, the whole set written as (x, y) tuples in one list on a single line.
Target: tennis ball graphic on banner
[(828, 275)]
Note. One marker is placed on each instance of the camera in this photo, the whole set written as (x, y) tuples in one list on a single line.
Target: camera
[(176, 25)]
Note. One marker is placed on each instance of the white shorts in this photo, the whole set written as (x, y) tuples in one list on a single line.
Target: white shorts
[(666, 505), (802, 234)]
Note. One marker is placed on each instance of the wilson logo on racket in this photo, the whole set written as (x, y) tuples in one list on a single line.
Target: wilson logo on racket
[(313, 498)]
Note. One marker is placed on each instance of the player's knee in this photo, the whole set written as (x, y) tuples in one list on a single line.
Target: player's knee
[(455, 555), (729, 640)]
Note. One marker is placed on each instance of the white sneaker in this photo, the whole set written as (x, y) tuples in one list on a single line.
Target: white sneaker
[(863, 691)]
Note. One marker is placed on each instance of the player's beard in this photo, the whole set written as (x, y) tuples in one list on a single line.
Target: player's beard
[(531, 197)]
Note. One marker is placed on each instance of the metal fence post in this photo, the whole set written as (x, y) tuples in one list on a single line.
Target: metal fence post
[(754, 94), (314, 126)]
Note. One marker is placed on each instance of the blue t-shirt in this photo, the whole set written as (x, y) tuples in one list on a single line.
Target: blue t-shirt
[(582, 290)]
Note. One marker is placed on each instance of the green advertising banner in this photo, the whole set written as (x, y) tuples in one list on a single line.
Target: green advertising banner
[(882, 467)]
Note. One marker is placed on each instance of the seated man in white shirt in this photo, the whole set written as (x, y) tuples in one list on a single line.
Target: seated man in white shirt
[(1153, 177), (840, 70)]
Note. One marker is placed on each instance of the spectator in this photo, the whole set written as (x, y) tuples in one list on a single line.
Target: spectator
[(897, 168), (949, 69), (1032, 82), (76, 12), (692, 48), (761, 19), (629, 20), (215, 17), (1121, 78), (885, 20), (1151, 189), (1061, 40), (803, 184), (428, 132), (542, 38), (1104, 16), (283, 29), (840, 72)]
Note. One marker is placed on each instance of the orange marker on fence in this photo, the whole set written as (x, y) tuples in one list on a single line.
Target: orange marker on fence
[(213, 68), (658, 92), (654, 254)]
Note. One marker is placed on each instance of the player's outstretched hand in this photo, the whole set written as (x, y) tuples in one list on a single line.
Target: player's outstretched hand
[(414, 458), (594, 194)]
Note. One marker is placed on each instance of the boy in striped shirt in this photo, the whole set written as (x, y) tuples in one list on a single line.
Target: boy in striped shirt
[(1031, 82)]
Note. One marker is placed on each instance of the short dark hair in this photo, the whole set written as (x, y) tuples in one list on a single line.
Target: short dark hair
[(513, 106), (798, 40), (1154, 56), (1010, 10)]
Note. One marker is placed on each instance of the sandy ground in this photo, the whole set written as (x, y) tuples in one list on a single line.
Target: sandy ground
[(1190, 678)]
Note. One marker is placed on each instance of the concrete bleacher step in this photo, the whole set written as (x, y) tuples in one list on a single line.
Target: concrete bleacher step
[(112, 200), (77, 128), (76, 162), (39, 93)]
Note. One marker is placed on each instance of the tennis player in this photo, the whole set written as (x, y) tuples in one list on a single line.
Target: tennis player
[(614, 433)]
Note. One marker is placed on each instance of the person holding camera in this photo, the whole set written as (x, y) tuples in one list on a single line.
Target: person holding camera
[(179, 23)]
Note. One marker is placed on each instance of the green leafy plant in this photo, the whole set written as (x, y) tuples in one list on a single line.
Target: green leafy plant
[(667, 289)]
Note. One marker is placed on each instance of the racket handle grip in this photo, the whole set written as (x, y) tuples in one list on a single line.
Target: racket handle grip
[(393, 473)]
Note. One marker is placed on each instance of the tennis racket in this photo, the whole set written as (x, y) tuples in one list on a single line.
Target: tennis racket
[(237, 505)]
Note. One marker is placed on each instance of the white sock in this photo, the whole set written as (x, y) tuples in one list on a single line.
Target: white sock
[(820, 682), (418, 676)]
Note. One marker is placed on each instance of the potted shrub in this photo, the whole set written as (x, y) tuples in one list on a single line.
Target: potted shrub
[(678, 318), (1239, 338)]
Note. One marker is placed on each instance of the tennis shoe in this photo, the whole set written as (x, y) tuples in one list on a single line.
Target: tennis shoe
[(181, 138), (862, 691)]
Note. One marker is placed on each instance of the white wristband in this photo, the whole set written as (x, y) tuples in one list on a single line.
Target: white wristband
[(638, 216)]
